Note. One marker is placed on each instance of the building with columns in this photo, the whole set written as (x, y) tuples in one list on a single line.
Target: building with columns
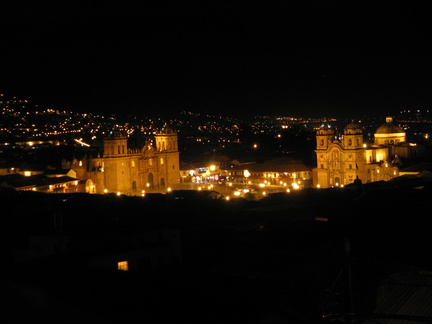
[(343, 158), (120, 169)]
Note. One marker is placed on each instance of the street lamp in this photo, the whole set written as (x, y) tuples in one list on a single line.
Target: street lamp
[(246, 174)]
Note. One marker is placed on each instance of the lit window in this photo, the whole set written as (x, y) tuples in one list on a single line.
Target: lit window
[(161, 161), (123, 266)]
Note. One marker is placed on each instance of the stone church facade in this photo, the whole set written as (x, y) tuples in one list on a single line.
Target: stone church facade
[(154, 167), (343, 158)]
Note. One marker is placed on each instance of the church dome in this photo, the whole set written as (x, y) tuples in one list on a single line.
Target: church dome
[(389, 127), (389, 134)]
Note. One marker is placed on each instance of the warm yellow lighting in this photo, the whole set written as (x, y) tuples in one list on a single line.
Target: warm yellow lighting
[(318, 186), (246, 190), (169, 189), (288, 190), (199, 188), (262, 185), (230, 184), (246, 173), (212, 168), (147, 184), (123, 265), (295, 185), (27, 173), (364, 145), (237, 193), (118, 193), (227, 198), (105, 190), (264, 193), (255, 146), (30, 143)]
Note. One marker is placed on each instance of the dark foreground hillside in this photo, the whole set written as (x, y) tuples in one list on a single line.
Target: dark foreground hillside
[(310, 257)]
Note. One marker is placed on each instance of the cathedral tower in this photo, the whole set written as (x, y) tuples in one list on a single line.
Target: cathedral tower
[(115, 144), (116, 163), (324, 137), (168, 157), (353, 136)]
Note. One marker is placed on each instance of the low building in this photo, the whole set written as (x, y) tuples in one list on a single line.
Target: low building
[(279, 172), (40, 183)]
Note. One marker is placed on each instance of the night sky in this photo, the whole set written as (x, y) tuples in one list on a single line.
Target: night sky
[(291, 58)]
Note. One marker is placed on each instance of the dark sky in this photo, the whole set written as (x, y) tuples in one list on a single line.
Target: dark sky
[(278, 58)]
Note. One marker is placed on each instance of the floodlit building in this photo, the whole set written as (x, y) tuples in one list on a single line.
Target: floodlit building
[(120, 169), (343, 158), (280, 172), (389, 134)]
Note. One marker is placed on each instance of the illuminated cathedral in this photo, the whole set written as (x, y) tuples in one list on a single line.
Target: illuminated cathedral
[(343, 158), (153, 167)]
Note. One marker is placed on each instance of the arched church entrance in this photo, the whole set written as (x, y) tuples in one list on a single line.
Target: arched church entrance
[(89, 186), (150, 180)]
